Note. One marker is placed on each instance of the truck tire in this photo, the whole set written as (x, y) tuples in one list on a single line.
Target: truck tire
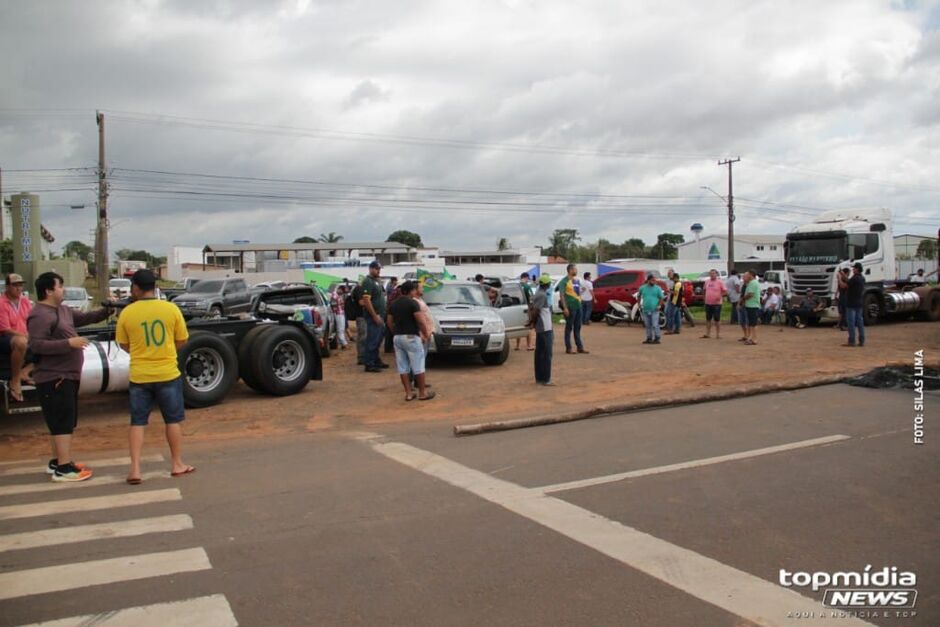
[(872, 308), (325, 347), (497, 359), (245, 356), (282, 360), (210, 369), (933, 307)]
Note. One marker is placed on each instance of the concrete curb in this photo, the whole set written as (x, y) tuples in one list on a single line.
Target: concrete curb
[(655, 403)]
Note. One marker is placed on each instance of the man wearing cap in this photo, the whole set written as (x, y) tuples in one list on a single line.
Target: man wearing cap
[(373, 305), (854, 300), (14, 310), (540, 317), (651, 299), (152, 330)]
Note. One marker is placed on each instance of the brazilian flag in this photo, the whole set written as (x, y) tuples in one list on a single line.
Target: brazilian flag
[(428, 280)]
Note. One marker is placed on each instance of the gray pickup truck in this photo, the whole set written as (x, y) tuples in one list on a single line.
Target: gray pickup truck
[(215, 298)]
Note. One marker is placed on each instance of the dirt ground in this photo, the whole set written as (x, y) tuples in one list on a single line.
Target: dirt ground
[(619, 369)]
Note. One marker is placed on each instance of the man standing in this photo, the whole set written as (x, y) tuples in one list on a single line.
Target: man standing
[(404, 321), (373, 305), (338, 304), (527, 288), (540, 317), (152, 331), (733, 285), (651, 299), (587, 299), (751, 309), (843, 277), (14, 311), (355, 313), (53, 339), (675, 304), (854, 300), (571, 309), (714, 290)]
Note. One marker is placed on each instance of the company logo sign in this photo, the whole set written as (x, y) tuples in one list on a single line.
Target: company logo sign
[(886, 589)]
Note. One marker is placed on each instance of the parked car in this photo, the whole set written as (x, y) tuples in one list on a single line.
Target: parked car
[(119, 288), (466, 322), (619, 285), (77, 298), (259, 288), (170, 293), (285, 303), (214, 298), (698, 287)]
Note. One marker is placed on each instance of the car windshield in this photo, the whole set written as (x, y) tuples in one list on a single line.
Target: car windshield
[(816, 250), (450, 294), (119, 283), (206, 287), (74, 293)]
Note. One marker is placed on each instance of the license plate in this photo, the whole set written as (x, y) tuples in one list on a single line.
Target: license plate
[(461, 341)]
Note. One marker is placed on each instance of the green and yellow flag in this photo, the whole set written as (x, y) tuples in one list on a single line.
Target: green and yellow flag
[(428, 280), (448, 276)]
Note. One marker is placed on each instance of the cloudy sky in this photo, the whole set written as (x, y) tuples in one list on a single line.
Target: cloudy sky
[(468, 121)]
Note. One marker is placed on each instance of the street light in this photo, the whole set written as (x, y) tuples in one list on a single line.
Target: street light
[(723, 199)]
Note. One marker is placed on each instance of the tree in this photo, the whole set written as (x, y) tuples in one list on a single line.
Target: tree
[(140, 255), (306, 239), (927, 249), (77, 249), (407, 238), (561, 242), (503, 244), (665, 246), (330, 237)]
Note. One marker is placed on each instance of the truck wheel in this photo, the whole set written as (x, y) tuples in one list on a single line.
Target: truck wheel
[(245, 356), (210, 369), (282, 360), (496, 359), (325, 347), (933, 306), (871, 308)]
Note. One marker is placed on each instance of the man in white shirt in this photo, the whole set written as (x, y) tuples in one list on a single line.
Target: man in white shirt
[(733, 284), (771, 305), (587, 298)]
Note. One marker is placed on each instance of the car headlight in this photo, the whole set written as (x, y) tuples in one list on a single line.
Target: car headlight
[(493, 326)]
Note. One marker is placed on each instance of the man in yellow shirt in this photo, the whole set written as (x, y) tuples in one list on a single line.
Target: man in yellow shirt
[(152, 330)]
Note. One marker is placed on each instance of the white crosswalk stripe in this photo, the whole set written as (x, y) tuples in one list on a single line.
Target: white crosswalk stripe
[(98, 463), (23, 583), (101, 531), (51, 486), (88, 504), (210, 611)]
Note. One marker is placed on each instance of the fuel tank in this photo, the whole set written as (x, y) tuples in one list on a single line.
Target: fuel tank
[(901, 302), (106, 369)]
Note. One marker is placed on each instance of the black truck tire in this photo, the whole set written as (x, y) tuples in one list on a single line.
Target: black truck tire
[(210, 369), (334, 340), (872, 308), (282, 360), (325, 347), (245, 356), (496, 359), (933, 306)]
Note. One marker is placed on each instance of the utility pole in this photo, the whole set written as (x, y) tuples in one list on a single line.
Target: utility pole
[(730, 162), (102, 267)]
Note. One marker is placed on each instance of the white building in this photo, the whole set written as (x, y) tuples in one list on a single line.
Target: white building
[(746, 247), (905, 246)]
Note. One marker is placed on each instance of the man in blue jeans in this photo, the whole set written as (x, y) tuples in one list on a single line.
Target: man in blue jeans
[(854, 301), (569, 289), (373, 305), (651, 299), (540, 318)]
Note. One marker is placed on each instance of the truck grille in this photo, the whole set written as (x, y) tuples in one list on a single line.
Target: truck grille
[(819, 282), (461, 327)]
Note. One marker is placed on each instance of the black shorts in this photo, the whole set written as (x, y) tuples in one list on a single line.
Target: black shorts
[(713, 312), (752, 316), (59, 402)]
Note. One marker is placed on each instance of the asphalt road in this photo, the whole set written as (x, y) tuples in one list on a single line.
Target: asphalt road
[(412, 526)]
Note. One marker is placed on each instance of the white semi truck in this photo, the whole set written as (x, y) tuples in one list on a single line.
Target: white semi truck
[(837, 239)]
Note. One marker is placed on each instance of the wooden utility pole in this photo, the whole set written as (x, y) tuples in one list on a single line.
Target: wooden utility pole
[(730, 162), (102, 267)]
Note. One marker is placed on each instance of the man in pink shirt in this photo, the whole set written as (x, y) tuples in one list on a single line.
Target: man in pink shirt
[(714, 291), (14, 310)]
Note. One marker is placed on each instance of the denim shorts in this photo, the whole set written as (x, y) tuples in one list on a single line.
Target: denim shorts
[(713, 312), (409, 354), (751, 316), (167, 395)]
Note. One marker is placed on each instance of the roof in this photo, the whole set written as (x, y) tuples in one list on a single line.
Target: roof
[(750, 239), (341, 245), (480, 253)]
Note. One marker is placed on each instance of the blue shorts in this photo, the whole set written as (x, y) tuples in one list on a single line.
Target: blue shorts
[(167, 395), (409, 354)]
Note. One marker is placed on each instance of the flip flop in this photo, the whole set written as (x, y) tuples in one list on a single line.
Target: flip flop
[(134, 481), (411, 397), (16, 395), (188, 470), (706, 337), (428, 397)]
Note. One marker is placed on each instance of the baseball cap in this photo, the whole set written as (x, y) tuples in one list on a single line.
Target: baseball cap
[(545, 279), (858, 266), (650, 276), (14, 278), (144, 278), (375, 264)]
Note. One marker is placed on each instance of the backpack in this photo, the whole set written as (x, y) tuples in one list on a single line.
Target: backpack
[(353, 308)]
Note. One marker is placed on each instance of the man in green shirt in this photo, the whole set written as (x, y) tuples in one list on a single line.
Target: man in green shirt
[(373, 305), (569, 288), (651, 298), (751, 311)]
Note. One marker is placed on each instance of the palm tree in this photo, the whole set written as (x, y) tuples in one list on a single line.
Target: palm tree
[(330, 237)]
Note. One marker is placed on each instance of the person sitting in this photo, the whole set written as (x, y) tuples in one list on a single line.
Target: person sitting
[(771, 305), (806, 312)]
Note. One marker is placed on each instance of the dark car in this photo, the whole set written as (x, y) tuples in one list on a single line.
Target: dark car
[(214, 298)]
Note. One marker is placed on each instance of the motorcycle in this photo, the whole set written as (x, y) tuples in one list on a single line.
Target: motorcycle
[(617, 312)]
